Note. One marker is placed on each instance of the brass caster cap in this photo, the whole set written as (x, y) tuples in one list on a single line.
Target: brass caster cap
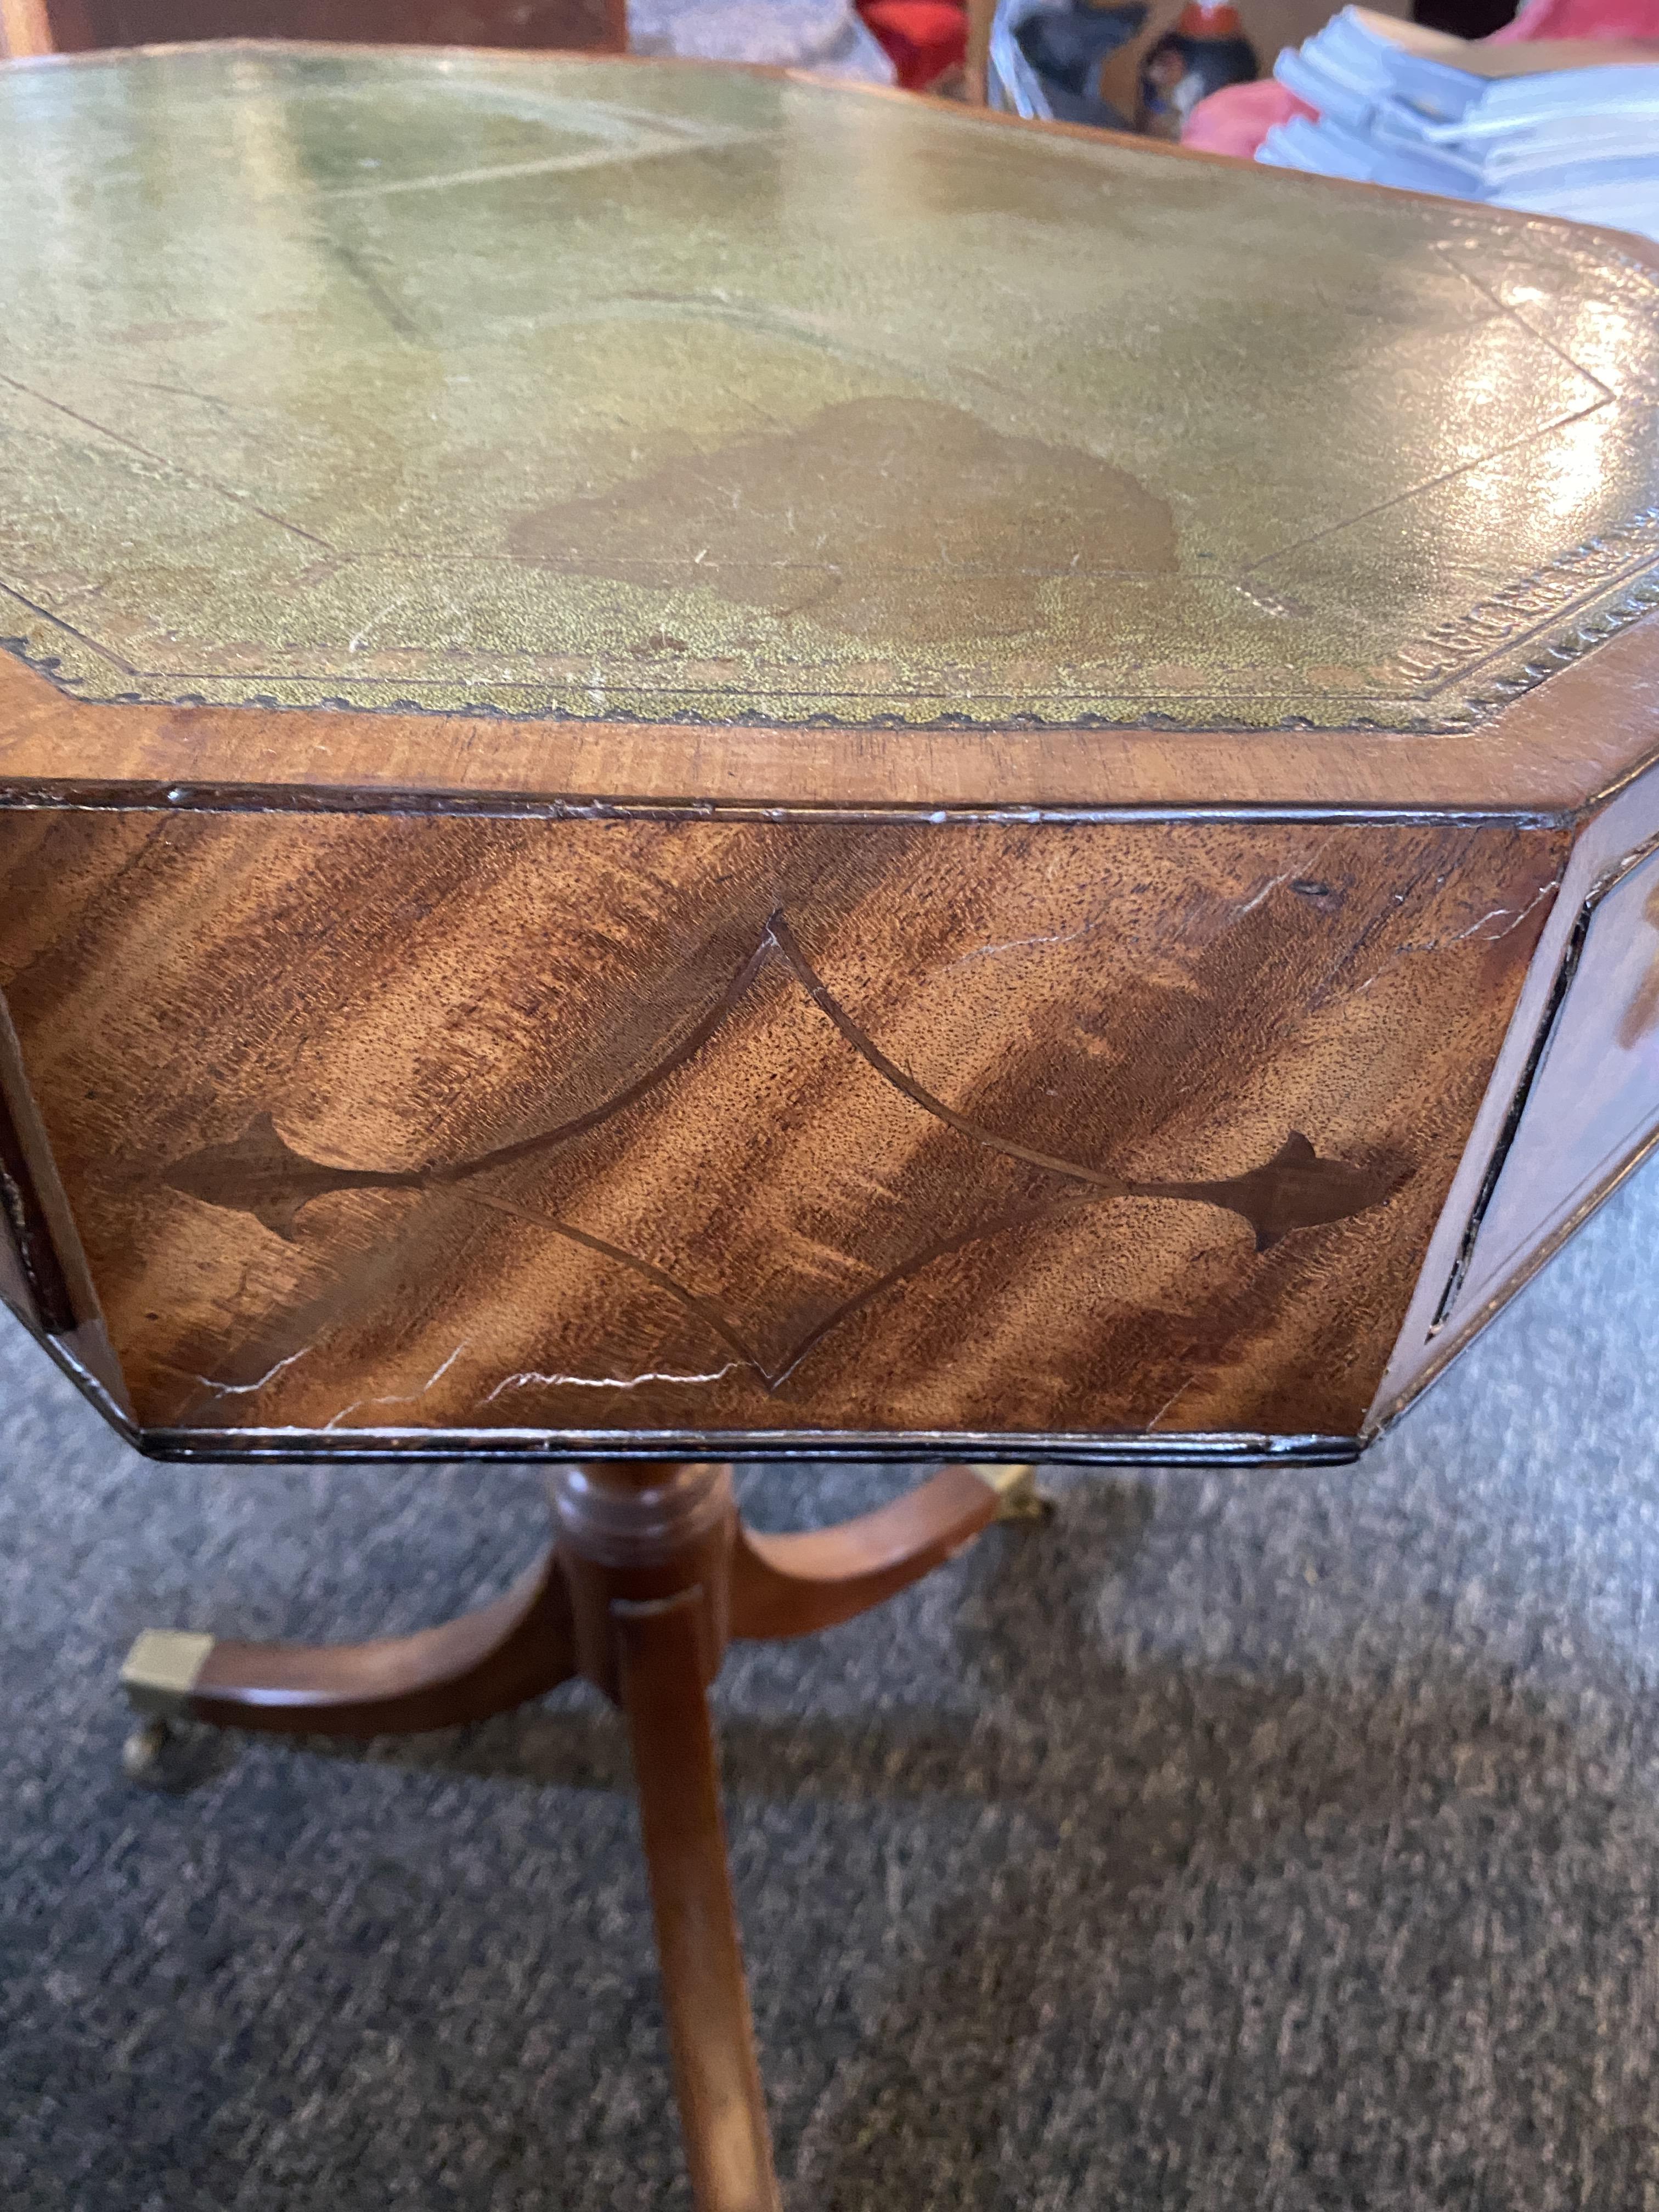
[(143, 1752), (1017, 1496)]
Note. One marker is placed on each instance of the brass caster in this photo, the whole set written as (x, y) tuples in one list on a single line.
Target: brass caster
[(164, 1752), (144, 1753), (1018, 1497), (160, 1672)]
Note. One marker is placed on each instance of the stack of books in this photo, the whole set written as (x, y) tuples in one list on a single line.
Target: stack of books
[(1571, 129)]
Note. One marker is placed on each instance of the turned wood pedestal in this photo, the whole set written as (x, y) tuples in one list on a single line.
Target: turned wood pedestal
[(650, 1574)]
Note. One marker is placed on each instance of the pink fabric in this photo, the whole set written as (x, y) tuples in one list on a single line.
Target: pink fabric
[(1237, 118), (1582, 19)]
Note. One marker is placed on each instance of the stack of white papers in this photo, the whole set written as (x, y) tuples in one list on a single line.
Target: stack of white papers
[(1582, 142), (827, 37)]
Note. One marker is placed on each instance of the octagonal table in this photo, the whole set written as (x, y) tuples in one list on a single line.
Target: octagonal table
[(692, 766)]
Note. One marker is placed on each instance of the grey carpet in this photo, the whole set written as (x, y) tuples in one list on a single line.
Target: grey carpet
[(1281, 1840)]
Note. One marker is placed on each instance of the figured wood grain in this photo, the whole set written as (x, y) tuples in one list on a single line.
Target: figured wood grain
[(1592, 1106), (1143, 1125), (1449, 1306), (1552, 753), (1573, 1107)]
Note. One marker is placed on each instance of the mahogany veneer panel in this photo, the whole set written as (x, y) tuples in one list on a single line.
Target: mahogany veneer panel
[(685, 756), (1592, 1107), (368, 1122)]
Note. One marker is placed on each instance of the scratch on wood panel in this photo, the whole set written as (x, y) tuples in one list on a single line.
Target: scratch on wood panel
[(1505, 915), (1512, 919), (1175, 1396), (1265, 891), (1021, 944), (248, 1389), (400, 1398), (531, 1378)]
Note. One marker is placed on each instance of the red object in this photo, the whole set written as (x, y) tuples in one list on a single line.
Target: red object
[(1209, 19), (1236, 119), (922, 38)]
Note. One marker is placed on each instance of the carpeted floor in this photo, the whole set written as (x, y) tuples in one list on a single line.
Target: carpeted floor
[(1278, 1840)]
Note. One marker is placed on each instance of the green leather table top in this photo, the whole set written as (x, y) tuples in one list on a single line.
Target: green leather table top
[(620, 389)]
